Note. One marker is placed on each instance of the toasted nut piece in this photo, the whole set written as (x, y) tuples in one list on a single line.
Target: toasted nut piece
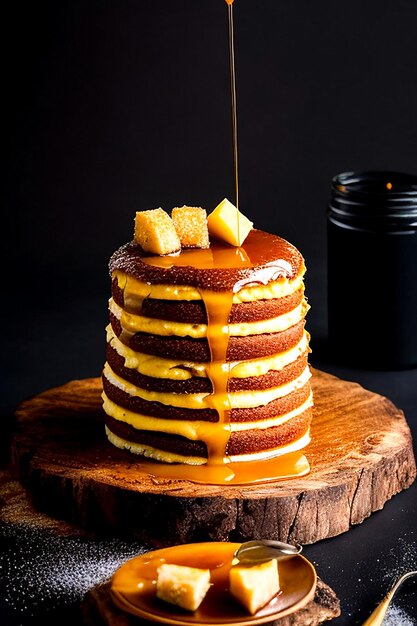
[(191, 225), (228, 224), (155, 232), (181, 585), (254, 585)]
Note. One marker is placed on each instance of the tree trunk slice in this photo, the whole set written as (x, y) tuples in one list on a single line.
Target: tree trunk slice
[(360, 456), (99, 609)]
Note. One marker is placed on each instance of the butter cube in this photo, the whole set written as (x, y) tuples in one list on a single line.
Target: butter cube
[(155, 232), (254, 585), (182, 585), (191, 225), (228, 224)]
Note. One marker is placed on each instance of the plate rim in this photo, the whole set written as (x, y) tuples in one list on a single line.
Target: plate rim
[(125, 605)]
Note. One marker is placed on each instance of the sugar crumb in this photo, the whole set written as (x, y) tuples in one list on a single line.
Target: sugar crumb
[(42, 571), (397, 617)]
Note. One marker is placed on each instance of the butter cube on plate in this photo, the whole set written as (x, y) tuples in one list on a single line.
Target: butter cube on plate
[(182, 585), (228, 224), (254, 585)]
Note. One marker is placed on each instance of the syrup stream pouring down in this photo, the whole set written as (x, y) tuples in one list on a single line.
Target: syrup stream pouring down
[(233, 94), (218, 310)]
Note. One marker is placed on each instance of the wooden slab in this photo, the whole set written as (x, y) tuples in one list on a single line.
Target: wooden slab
[(99, 610), (361, 455)]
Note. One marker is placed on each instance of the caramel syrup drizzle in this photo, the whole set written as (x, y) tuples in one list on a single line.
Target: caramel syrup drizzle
[(219, 469), (218, 306)]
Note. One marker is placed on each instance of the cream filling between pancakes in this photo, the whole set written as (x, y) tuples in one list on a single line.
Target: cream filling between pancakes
[(158, 367), (193, 430), (135, 289), (180, 427), (237, 399), (171, 457), (133, 323)]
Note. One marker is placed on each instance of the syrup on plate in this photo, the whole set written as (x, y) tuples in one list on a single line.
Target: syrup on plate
[(133, 587)]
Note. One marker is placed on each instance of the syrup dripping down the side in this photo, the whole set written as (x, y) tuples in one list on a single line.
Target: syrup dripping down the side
[(219, 470), (218, 306)]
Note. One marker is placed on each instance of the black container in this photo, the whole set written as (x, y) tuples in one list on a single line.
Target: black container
[(372, 269)]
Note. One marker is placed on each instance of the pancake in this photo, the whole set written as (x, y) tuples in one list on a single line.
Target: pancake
[(207, 353)]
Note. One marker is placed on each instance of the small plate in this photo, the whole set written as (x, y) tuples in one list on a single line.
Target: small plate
[(133, 587)]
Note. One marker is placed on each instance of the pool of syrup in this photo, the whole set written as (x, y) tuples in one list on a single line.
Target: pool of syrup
[(292, 465)]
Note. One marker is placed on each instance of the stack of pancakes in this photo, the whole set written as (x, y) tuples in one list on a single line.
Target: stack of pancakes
[(207, 353)]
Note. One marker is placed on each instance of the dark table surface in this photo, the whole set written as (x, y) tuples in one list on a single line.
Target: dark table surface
[(42, 576)]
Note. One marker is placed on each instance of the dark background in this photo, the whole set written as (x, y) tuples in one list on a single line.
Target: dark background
[(113, 107), (121, 106)]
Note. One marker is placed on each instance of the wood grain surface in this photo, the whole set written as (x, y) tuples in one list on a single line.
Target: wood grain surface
[(360, 456)]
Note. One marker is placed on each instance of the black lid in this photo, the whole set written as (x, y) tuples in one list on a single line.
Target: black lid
[(375, 199)]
